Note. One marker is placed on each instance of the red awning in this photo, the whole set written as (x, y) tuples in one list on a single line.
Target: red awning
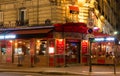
[(74, 8), (33, 31), (99, 34), (71, 27)]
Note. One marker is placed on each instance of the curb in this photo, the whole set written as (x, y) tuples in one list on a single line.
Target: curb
[(41, 72)]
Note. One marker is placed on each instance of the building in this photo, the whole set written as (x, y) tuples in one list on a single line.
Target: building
[(29, 28)]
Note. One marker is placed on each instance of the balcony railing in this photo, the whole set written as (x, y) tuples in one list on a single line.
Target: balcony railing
[(18, 23), (22, 23)]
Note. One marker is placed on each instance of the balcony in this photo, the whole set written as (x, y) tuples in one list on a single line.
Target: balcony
[(16, 24), (22, 23)]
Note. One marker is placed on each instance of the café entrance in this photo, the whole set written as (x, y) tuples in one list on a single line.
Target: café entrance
[(72, 51)]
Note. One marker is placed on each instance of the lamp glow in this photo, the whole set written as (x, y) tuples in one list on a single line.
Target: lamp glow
[(51, 50), (115, 33)]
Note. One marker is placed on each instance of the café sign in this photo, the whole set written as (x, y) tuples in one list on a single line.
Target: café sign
[(7, 37)]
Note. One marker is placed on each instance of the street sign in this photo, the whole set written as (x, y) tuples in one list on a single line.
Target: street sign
[(89, 36), (90, 23)]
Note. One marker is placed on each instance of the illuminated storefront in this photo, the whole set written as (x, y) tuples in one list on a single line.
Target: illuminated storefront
[(26, 46), (43, 47), (103, 50), (6, 46), (72, 35)]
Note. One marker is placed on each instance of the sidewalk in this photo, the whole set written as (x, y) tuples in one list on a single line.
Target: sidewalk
[(97, 70)]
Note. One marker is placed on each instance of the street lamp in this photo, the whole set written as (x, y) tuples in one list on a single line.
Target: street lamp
[(115, 33)]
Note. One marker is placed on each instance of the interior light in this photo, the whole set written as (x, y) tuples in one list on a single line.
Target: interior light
[(11, 41), (119, 42), (1, 37), (38, 41), (115, 33), (51, 50), (60, 39)]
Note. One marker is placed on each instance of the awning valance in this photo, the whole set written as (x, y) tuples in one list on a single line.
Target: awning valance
[(26, 30), (71, 27), (99, 34), (33, 31)]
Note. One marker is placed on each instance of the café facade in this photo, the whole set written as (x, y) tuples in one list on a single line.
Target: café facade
[(54, 45)]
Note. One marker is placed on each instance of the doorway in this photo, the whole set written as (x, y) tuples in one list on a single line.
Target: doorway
[(72, 51)]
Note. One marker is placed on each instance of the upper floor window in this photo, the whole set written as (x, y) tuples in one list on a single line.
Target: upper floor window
[(1, 16), (22, 17), (22, 14)]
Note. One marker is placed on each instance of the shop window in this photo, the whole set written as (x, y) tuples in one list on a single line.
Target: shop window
[(3, 47), (103, 50), (3, 50), (41, 47), (22, 47)]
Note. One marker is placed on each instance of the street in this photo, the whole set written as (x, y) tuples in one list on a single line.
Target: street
[(38, 74), (18, 74), (29, 74)]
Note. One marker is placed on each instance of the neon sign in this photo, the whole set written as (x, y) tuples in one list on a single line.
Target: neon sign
[(99, 39), (110, 39), (102, 39), (7, 37)]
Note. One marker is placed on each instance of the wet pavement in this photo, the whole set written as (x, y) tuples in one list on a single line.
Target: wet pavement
[(82, 70)]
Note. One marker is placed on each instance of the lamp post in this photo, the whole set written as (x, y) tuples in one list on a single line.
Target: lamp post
[(90, 53)]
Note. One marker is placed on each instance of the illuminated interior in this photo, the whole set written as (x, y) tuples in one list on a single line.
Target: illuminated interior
[(104, 49), (41, 47)]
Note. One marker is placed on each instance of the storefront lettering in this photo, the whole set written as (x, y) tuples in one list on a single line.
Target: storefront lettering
[(7, 37)]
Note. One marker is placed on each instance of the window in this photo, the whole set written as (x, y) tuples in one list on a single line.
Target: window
[(41, 47), (1, 18), (23, 17), (22, 14)]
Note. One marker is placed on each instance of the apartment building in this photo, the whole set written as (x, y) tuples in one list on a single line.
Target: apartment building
[(107, 9), (26, 28)]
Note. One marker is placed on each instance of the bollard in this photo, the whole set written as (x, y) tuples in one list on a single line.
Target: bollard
[(32, 61), (19, 60)]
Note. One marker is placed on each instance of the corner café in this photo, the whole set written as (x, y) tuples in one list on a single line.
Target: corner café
[(104, 50), (50, 45)]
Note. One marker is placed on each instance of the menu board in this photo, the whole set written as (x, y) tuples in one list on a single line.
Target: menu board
[(84, 46), (59, 46)]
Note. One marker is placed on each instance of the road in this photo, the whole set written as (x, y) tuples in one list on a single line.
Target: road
[(38, 74), (29, 74)]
